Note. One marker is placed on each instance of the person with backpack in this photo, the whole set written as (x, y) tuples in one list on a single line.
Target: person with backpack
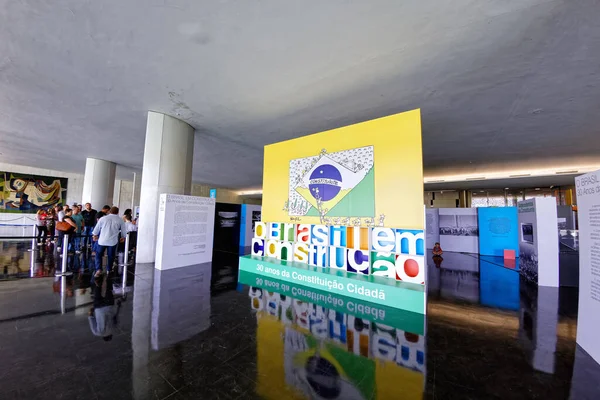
[(67, 226)]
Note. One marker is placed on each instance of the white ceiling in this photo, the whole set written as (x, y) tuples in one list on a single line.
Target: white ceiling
[(502, 84)]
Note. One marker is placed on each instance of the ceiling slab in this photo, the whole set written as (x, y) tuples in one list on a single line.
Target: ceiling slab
[(512, 83)]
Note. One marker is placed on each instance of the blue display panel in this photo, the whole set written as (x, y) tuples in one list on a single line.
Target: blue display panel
[(498, 230)]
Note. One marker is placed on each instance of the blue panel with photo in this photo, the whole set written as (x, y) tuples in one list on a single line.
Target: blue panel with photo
[(498, 230)]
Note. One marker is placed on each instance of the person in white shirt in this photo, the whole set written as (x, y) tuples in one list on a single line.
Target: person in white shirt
[(131, 227), (106, 233), (60, 214)]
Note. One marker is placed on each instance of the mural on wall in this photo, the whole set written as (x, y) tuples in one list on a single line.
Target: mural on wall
[(22, 193)]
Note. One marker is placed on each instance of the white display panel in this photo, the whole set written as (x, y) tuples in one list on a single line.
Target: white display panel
[(538, 241), (185, 230), (588, 207), (432, 227), (459, 230)]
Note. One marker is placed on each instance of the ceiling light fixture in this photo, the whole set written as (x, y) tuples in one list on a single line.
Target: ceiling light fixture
[(249, 192), (563, 170)]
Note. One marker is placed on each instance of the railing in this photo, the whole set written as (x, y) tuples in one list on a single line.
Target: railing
[(125, 265), (63, 273)]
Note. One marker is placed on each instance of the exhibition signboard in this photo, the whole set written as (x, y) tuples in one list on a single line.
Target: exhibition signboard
[(184, 231), (348, 200), (498, 230), (538, 241), (588, 207)]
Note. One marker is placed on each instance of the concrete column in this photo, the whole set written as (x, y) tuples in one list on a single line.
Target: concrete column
[(117, 193), (168, 157), (98, 182)]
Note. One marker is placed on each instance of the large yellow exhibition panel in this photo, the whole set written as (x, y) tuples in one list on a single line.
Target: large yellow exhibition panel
[(367, 174)]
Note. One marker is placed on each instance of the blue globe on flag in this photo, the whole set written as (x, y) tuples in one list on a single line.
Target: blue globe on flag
[(325, 182)]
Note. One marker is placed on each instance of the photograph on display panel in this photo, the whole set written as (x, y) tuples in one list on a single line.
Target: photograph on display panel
[(459, 225), (256, 217), (528, 260), (459, 230)]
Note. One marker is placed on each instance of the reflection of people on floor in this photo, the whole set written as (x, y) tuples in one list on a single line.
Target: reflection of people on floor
[(437, 249), (103, 316)]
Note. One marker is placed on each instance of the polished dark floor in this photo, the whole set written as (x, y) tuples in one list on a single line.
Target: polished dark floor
[(487, 335)]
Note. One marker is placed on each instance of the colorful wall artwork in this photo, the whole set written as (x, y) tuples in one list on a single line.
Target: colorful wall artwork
[(22, 193)]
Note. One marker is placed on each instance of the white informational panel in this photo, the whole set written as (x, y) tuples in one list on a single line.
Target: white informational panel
[(459, 230), (588, 208), (432, 227), (184, 233), (538, 241)]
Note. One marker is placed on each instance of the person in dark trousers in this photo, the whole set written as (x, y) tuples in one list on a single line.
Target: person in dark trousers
[(50, 222), (106, 235), (89, 221), (104, 315), (102, 213), (40, 222)]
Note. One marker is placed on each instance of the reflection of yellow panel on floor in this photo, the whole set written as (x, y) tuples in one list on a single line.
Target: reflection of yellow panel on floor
[(398, 383), (391, 380), (270, 355)]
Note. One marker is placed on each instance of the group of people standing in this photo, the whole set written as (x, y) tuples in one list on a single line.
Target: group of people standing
[(104, 227)]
